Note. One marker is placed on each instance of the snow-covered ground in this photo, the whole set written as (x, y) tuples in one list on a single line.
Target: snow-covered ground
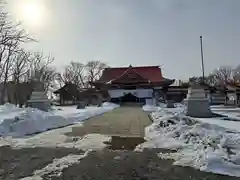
[(205, 144), (18, 122), (230, 112), (58, 138), (149, 107)]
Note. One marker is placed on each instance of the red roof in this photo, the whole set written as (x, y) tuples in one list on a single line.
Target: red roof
[(150, 73)]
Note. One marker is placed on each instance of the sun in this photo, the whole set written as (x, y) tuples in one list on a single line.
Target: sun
[(32, 13)]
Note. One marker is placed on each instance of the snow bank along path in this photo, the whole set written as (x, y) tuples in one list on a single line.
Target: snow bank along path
[(42, 121), (204, 146), (18, 122), (58, 138)]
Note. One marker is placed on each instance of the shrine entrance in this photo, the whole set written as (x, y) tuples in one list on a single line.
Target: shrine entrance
[(129, 97)]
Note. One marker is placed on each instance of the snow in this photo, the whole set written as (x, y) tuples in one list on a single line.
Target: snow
[(89, 142), (150, 108), (55, 139), (223, 123), (230, 112), (59, 138), (56, 167), (18, 122), (204, 146), (9, 111)]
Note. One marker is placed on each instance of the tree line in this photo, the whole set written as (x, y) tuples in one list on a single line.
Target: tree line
[(20, 66), (218, 77)]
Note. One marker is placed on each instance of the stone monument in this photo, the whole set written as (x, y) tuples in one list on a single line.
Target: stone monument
[(81, 105), (197, 104), (39, 99), (170, 104)]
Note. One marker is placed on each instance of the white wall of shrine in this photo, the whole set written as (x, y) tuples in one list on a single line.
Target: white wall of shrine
[(140, 93)]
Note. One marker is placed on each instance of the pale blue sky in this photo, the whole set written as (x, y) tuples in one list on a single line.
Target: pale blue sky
[(142, 32)]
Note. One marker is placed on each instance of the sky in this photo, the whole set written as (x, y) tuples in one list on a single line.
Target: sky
[(136, 32)]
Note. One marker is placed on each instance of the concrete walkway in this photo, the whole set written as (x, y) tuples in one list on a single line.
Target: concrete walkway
[(124, 121)]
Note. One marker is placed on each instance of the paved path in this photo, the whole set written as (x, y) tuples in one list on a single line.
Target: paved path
[(123, 121)]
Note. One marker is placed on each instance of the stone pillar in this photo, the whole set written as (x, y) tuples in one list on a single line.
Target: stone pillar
[(197, 104), (39, 99)]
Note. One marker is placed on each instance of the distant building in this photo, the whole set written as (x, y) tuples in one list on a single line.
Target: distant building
[(70, 94), (133, 84)]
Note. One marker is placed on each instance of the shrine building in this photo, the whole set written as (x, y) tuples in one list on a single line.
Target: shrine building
[(133, 84)]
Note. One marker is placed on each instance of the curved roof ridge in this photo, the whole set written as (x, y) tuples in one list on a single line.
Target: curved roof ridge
[(124, 67), (130, 68)]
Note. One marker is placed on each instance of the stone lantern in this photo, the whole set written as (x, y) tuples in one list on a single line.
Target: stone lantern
[(39, 99), (197, 104)]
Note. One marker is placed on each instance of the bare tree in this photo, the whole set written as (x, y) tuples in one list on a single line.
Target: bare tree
[(94, 70), (223, 75), (41, 71), (211, 79), (74, 73), (11, 38), (195, 80), (20, 69), (236, 75), (21, 65)]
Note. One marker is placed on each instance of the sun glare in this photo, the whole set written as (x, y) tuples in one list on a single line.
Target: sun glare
[(32, 13)]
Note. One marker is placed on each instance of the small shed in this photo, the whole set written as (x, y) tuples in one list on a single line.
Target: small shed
[(93, 96), (68, 94)]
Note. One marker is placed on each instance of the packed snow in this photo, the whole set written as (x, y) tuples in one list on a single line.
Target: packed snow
[(58, 138), (150, 108), (201, 145), (18, 122)]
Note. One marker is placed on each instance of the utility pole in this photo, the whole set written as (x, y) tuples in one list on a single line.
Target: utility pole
[(203, 77)]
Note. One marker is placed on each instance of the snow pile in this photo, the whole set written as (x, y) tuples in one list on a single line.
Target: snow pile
[(150, 108), (8, 111), (110, 105), (200, 145), (8, 107), (75, 115), (32, 121), (27, 121)]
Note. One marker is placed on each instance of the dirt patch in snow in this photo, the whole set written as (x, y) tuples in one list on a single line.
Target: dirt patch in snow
[(19, 163), (124, 143), (130, 165)]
